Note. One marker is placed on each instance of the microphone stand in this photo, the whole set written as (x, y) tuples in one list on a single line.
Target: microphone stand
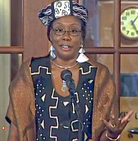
[(77, 109), (67, 76)]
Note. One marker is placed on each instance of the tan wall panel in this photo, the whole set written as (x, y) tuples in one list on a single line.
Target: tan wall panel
[(35, 40), (129, 63), (4, 96)]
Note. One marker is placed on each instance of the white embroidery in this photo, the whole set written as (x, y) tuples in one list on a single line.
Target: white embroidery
[(90, 81), (72, 125), (77, 96), (65, 103), (53, 117), (89, 71), (85, 137), (43, 124), (86, 109), (39, 70), (43, 97)]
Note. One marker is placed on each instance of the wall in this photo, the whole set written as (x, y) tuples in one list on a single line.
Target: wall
[(4, 65)]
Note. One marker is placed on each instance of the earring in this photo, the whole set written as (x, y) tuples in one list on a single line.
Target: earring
[(82, 57), (52, 54)]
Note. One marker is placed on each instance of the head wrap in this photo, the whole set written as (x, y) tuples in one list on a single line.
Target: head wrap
[(62, 8)]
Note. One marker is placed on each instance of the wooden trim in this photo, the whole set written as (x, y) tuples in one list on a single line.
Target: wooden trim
[(116, 61), (11, 49), (128, 50), (89, 50), (16, 23), (93, 50), (23, 24), (111, 50)]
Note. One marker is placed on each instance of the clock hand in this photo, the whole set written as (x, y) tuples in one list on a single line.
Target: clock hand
[(134, 26), (135, 19)]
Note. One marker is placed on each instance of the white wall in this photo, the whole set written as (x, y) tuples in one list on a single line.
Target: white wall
[(4, 22), (4, 98), (4, 65)]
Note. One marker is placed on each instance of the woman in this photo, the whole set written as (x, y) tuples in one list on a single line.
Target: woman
[(43, 105)]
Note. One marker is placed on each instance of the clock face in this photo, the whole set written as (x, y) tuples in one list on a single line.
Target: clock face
[(129, 23)]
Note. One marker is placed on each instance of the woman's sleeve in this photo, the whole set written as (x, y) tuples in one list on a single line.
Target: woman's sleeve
[(10, 117), (13, 94), (115, 106)]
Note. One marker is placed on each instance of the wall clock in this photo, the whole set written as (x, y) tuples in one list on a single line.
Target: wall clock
[(129, 23)]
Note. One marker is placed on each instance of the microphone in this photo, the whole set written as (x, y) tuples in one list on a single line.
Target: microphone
[(66, 75)]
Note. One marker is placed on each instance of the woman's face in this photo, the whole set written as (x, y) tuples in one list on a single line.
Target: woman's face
[(66, 45)]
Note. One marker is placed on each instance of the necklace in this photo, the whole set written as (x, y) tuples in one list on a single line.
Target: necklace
[(63, 67), (64, 86)]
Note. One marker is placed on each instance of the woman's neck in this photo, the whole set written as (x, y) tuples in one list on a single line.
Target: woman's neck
[(64, 64)]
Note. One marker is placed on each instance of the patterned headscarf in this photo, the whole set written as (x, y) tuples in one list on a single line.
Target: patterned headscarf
[(62, 8)]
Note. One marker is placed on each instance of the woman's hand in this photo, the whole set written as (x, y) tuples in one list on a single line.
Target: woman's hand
[(114, 128)]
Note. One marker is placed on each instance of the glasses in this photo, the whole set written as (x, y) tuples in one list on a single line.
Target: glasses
[(60, 31)]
